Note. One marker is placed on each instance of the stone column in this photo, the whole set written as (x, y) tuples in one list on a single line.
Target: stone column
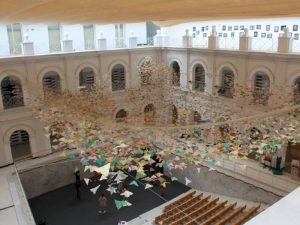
[(187, 40), (245, 41), (158, 39), (213, 39), (28, 47), (165, 39), (67, 44), (102, 42), (1, 104), (285, 43), (132, 41)]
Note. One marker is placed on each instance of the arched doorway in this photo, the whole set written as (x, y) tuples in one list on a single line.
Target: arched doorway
[(199, 78), (227, 83), (197, 117), (149, 114), (87, 78), (11, 91), (175, 74), (118, 78), (20, 145), (121, 116), (261, 88), (51, 83)]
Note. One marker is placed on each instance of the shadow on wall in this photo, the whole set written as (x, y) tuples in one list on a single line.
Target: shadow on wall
[(219, 183)]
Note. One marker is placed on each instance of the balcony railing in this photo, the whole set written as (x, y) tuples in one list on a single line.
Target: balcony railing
[(231, 43)]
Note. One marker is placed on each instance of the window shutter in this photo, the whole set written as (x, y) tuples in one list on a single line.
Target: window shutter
[(118, 78), (199, 78), (18, 137), (15, 38), (89, 37), (54, 38)]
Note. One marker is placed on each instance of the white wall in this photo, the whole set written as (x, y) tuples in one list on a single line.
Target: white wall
[(38, 33), (285, 211), (108, 32), (177, 31), (4, 47), (139, 30), (75, 33)]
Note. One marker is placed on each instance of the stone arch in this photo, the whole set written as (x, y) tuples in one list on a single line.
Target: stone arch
[(83, 66), (7, 136), (196, 116), (52, 82), (261, 92), (253, 72), (176, 73), (121, 115), (229, 65), (126, 69), (149, 113), (200, 82), (11, 92), (118, 108), (118, 61), (292, 77), (56, 69), (225, 82), (171, 60), (201, 62), (18, 77)]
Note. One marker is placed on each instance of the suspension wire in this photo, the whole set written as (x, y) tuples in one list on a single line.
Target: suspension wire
[(209, 125)]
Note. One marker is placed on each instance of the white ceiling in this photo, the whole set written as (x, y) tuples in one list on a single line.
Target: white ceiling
[(163, 12)]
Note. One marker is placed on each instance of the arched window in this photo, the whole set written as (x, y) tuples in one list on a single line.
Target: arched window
[(19, 144), (11, 91), (197, 116), (87, 78), (145, 71), (174, 114), (261, 88), (149, 113), (121, 116), (51, 83), (199, 76), (297, 91), (227, 83), (175, 74), (118, 78)]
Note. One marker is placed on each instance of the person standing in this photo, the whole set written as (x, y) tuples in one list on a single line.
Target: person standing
[(103, 204), (78, 185)]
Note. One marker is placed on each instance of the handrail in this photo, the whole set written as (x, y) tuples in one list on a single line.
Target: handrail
[(30, 216)]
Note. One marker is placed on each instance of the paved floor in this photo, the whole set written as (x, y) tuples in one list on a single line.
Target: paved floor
[(60, 207)]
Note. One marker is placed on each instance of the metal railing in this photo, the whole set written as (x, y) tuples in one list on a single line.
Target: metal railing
[(265, 44), (199, 42), (282, 183), (228, 43), (257, 44), (22, 208)]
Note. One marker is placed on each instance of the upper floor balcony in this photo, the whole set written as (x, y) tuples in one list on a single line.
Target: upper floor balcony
[(283, 44)]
